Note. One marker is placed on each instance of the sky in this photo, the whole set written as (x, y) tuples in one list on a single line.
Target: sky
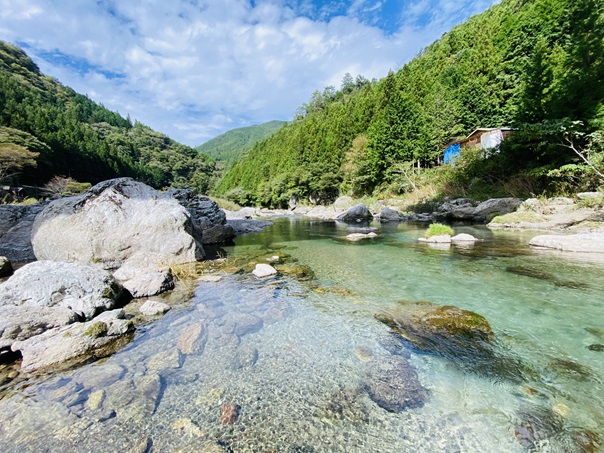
[(193, 69)]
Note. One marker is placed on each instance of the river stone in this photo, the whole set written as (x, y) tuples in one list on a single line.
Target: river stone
[(438, 239), (586, 242), (85, 290), (19, 323), (192, 339), (393, 384), (360, 236), (168, 359), (496, 206), (440, 329), (135, 399), (264, 270), (70, 342), (245, 357), (229, 413), (153, 308), (6, 267), (145, 275), (355, 214), (463, 237), (112, 222)]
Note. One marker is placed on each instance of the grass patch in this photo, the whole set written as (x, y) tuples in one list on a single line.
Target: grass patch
[(438, 229), (518, 217)]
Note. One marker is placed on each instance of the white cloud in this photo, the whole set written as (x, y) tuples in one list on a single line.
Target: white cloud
[(193, 69)]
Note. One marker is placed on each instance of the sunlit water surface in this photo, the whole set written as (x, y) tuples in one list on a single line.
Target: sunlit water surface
[(291, 357)]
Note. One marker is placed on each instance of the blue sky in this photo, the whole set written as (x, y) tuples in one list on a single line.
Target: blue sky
[(193, 69)]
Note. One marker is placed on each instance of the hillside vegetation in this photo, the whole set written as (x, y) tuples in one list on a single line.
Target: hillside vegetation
[(536, 65), (47, 129), (230, 146)]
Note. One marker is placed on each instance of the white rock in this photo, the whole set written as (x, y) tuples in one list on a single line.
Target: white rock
[(439, 239), (587, 242), (85, 290), (153, 307), (463, 237), (360, 236), (144, 275), (112, 222), (264, 270), (210, 278)]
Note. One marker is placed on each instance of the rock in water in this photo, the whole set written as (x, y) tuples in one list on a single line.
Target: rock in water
[(443, 329), (192, 339), (389, 215), (112, 222), (229, 413), (153, 308), (587, 242), (356, 213), (6, 267), (83, 289), (264, 270), (394, 385)]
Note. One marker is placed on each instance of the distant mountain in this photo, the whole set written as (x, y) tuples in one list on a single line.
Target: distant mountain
[(231, 145), (70, 135)]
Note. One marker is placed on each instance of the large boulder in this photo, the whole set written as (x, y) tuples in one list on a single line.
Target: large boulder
[(209, 221), (446, 330), (83, 289), (113, 221), (496, 206), (467, 210), (16, 224), (586, 242), (389, 215), (356, 213), (144, 275)]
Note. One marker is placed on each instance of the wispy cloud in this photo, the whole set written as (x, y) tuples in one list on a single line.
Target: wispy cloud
[(194, 68)]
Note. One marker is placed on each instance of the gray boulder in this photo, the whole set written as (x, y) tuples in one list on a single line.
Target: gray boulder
[(112, 222), (586, 242), (496, 206), (389, 215), (83, 289), (393, 384), (209, 221), (6, 267), (154, 308), (16, 224), (355, 214), (70, 342)]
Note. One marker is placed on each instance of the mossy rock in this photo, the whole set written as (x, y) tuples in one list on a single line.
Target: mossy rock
[(518, 217), (441, 329), (98, 329), (298, 271)]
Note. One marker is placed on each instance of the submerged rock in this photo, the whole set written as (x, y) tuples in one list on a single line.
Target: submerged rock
[(441, 329), (192, 339), (359, 236), (393, 384), (229, 413)]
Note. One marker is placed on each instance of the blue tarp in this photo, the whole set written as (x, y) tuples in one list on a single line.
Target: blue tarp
[(452, 152)]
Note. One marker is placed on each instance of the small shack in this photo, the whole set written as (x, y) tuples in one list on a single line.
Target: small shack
[(483, 138)]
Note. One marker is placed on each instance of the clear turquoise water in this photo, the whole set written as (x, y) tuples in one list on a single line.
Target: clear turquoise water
[(298, 370)]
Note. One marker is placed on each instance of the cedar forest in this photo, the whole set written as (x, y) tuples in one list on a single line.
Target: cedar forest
[(534, 65)]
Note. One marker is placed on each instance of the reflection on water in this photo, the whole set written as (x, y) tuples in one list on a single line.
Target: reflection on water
[(302, 365)]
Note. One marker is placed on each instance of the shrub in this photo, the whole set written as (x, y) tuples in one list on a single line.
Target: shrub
[(438, 229)]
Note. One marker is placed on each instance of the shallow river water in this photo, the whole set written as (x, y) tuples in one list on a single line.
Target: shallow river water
[(282, 364)]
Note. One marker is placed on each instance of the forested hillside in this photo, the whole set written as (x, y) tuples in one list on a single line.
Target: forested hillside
[(67, 134), (231, 145), (536, 65)]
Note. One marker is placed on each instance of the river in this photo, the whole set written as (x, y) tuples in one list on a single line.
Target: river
[(282, 364)]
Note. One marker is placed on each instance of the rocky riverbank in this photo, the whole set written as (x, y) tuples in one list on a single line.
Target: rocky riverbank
[(97, 251)]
